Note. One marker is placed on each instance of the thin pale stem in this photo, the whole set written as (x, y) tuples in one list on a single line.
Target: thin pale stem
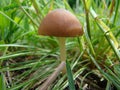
[(62, 48), (61, 67), (62, 52)]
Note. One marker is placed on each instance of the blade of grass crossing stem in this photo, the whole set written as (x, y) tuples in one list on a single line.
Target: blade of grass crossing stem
[(70, 77), (2, 82)]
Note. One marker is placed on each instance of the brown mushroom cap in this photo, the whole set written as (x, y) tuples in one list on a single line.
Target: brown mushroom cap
[(60, 23)]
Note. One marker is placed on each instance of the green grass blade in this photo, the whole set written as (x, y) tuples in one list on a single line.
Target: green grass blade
[(86, 6), (89, 42), (2, 13), (2, 82), (116, 11), (108, 34), (70, 76)]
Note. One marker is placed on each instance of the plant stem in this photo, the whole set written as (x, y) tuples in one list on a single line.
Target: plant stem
[(62, 48), (87, 18), (108, 34), (89, 42), (112, 7), (62, 51), (116, 11)]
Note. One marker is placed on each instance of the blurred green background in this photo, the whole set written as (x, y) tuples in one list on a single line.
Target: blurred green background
[(27, 59)]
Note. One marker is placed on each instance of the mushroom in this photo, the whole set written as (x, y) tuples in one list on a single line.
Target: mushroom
[(61, 24)]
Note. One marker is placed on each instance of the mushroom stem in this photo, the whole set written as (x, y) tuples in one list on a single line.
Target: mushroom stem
[(62, 51), (62, 48)]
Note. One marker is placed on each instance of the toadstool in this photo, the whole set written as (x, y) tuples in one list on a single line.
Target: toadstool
[(60, 23)]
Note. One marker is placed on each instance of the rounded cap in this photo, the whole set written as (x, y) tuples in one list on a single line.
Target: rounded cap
[(60, 23)]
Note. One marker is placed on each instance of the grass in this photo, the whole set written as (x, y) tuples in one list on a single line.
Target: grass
[(28, 59)]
